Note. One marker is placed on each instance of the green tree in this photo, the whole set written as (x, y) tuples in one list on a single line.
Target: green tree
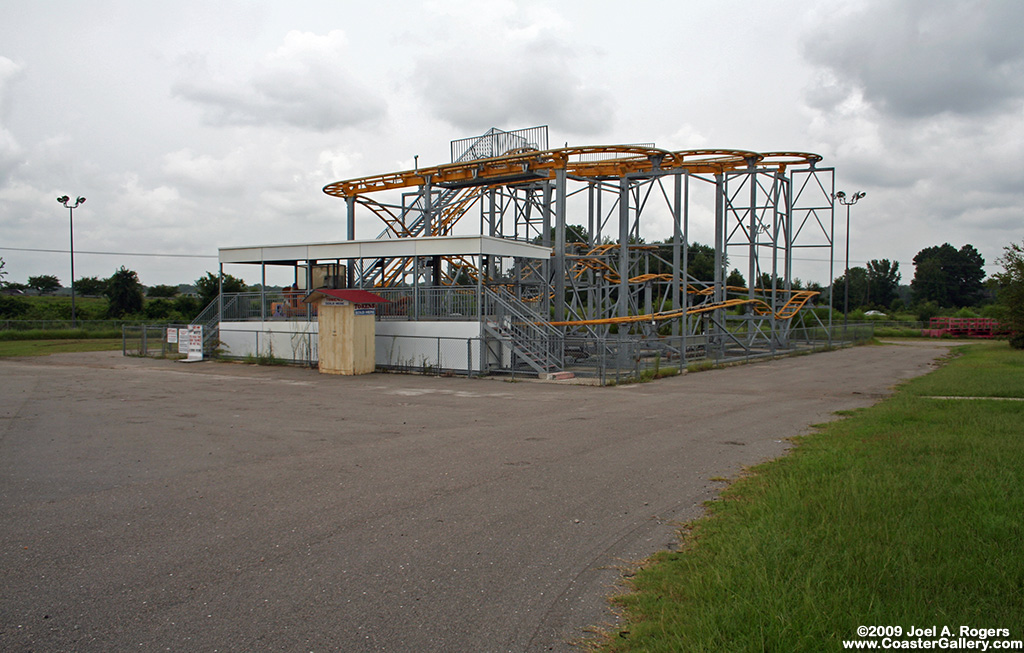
[(926, 311), (187, 306), (124, 291), (90, 286), (3, 273), (158, 309), (44, 284), (575, 233), (1011, 291), (161, 290), (949, 277), (859, 289), (883, 281), (208, 287), (700, 262), (736, 279), (13, 307)]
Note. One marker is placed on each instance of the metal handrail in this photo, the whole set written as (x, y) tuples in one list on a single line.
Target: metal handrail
[(525, 329)]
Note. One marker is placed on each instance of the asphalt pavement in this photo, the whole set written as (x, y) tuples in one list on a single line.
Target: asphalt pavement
[(153, 505)]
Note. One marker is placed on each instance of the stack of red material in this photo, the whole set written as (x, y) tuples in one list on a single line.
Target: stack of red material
[(964, 327)]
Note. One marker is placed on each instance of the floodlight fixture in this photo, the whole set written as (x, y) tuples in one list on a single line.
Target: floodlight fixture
[(64, 199), (847, 202)]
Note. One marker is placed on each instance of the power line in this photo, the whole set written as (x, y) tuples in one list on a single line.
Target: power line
[(155, 255), (65, 251)]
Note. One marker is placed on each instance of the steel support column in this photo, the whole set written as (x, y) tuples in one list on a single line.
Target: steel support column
[(560, 270)]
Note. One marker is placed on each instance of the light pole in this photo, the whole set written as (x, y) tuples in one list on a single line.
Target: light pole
[(64, 199), (847, 202)]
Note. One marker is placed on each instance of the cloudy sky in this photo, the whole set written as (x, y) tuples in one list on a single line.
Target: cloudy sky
[(192, 125)]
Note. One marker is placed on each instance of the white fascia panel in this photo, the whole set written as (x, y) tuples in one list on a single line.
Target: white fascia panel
[(241, 255)]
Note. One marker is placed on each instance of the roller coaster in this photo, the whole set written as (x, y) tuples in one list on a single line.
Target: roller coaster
[(591, 206)]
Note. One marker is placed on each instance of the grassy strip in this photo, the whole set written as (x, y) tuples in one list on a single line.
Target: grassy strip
[(44, 347), (897, 332), (989, 369), (911, 512), (58, 334)]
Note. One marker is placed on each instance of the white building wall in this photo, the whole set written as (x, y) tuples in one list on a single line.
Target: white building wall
[(426, 344), (441, 345), (281, 339)]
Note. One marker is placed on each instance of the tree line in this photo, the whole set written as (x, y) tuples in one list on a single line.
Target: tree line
[(126, 297), (945, 278)]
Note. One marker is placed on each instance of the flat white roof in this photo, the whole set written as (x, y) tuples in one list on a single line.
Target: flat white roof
[(384, 248)]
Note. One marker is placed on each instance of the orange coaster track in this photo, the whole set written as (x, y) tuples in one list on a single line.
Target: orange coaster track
[(789, 309), (592, 162)]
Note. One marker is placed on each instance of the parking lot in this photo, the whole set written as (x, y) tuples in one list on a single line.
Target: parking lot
[(149, 504)]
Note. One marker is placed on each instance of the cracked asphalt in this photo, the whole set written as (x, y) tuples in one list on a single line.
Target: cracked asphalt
[(153, 505)]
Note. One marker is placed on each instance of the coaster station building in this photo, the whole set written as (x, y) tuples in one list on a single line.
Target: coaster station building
[(519, 258)]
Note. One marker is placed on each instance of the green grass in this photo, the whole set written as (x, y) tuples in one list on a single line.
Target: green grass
[(897, 332), (51, 307), (44, 347), (58, 334), (987, 370), (907, 512)]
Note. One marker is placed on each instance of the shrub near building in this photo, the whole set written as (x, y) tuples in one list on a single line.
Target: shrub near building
[(1011, 291)]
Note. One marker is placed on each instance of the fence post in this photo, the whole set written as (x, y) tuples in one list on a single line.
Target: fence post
[(636, 359), (469, 358)]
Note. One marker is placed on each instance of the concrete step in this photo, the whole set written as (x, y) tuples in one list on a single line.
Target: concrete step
[(557, 376)]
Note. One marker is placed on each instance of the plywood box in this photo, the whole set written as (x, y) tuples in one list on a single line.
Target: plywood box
[(346, 339), (347, 326)]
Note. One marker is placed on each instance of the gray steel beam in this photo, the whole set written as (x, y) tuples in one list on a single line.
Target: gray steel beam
[(560, 270), (623, 303)]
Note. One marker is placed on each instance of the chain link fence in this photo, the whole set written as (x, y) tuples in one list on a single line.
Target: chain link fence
[(615, 360), (611, 360), (430, 354), (154, 340)]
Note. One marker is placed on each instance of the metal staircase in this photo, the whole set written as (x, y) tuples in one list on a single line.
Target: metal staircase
[(209, 319), (531, 342), (445, 209)]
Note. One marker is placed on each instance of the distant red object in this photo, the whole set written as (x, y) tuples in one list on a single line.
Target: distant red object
[(964, 327)]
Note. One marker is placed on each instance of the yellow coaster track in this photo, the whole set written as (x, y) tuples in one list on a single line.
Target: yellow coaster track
[(789, 309), (603, 161)]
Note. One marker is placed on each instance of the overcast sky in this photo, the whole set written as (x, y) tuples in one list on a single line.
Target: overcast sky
[(194, 125)]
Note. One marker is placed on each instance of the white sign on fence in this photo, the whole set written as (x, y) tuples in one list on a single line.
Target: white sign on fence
[(183, 340), (195, 342), (172, 335)]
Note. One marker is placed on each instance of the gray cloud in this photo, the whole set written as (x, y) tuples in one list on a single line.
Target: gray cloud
[(11, 152), (305, 83), (921, 58), (512, 69), (507, 96)]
